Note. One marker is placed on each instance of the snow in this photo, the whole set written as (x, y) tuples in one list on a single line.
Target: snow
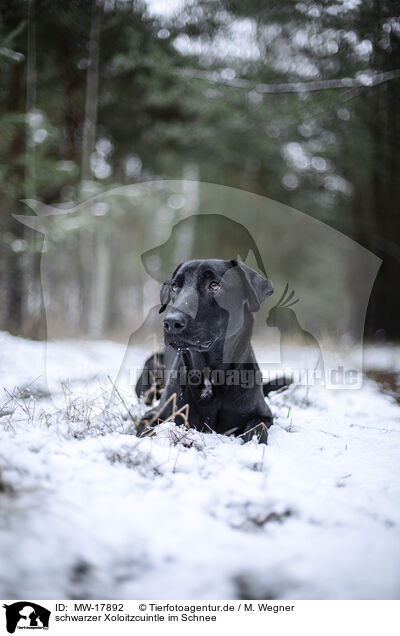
[(91, 511)]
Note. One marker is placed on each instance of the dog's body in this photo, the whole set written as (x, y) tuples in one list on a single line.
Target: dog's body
[(211, 374)]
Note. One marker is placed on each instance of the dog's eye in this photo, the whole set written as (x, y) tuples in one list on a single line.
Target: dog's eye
[(214, 285), (174, 287)]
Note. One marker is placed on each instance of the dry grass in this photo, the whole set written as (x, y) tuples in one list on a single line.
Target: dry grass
[(183, 412), (80, 415)]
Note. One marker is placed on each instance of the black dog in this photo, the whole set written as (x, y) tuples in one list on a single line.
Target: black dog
[(212, 378)]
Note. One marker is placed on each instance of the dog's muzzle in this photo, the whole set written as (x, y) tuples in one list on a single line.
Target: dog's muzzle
[(175, 323)]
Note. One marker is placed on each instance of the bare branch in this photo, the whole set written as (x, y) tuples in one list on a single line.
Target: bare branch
[(366, 80)]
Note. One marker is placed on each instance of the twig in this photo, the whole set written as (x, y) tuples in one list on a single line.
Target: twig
[(122, 400), (364, 81)]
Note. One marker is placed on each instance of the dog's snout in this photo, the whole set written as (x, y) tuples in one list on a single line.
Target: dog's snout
[(175, 322)]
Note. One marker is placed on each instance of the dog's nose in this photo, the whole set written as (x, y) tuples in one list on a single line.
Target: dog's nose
[(175, 322)]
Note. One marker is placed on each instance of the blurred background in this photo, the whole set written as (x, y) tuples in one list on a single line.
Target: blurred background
[(297, 102)]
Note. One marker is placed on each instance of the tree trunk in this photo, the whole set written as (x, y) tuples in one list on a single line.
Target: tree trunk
[(89, 259), (14, 275)]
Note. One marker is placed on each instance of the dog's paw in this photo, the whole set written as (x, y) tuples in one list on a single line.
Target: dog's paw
[(144, 429), (258, 429)]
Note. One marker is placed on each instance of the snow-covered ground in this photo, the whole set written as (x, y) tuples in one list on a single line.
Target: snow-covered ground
[(90, 511)]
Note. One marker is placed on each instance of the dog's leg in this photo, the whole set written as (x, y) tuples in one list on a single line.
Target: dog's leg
[(152, 379), (257, 427), (144, 428), (167, 409)]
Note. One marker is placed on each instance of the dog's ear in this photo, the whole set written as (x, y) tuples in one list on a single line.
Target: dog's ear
[(257, 287), (165, 292)]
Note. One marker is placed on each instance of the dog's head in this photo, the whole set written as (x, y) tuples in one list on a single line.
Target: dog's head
[(210, 300)]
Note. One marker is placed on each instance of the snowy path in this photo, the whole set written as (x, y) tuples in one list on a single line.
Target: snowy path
[(90, 511)]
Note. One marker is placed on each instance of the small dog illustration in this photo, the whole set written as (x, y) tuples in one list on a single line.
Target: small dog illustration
[(299, 348)]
